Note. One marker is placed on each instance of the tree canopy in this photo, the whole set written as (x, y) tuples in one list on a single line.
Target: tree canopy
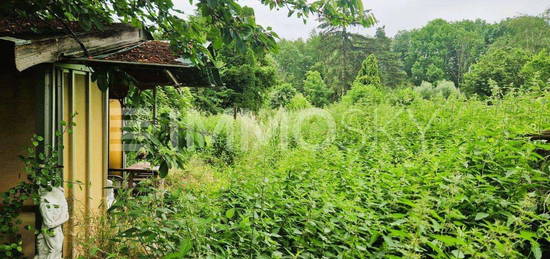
[(498, 66), (531, 33), (228, 21), (442, 50), (338, 59)]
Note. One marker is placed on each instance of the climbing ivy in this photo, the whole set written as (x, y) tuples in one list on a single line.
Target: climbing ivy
[(43, 173), (107, 76)]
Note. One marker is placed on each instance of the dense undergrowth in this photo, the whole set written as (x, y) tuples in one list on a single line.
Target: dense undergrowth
[(394, 175)]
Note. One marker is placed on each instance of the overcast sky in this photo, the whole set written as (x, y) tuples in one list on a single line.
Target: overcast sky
[(401, 14)]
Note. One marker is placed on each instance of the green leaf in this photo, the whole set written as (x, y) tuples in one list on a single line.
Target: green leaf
[(230, 213), (94, 251), (481, 215), (448, 240), (458, 253), (527, 235), (535, 248), (163, 169)]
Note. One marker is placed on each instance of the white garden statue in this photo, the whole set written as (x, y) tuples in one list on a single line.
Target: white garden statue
[(110, 193), (55, 212)]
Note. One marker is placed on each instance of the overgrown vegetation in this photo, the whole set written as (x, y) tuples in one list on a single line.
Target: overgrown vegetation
[(343, 156), (339, 145), (400, 177)]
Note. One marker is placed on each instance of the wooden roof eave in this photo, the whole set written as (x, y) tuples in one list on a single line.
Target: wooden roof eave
[(28, 53), (149, 75), (127, 63)]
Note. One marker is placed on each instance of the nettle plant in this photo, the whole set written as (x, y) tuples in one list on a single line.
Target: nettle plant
[(43, 174)]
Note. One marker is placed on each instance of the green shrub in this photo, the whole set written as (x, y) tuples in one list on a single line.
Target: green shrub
[(426, 90), (403, 96), (436, 179), (536, 72), (500, 65), (281, 95), (315, 89), (446, 88), (363, 94), (298, 102), (443, 89)]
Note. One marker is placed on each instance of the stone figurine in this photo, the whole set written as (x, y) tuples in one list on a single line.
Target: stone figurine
[(110, 193), (55, 212)]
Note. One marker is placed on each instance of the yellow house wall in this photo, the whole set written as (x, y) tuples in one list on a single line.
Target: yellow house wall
[(97, 172), (18, 118), (68, 157), (84, 169), (84, 154)]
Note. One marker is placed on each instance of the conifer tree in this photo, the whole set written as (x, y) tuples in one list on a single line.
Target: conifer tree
[(316, 90), (369, 74)]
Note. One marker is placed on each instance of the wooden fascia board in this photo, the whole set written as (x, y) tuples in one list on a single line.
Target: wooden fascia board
[(51, 50), (116, 62)]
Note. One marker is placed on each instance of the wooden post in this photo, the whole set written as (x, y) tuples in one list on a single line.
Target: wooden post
[(105, 140), (88, 125), (155, 105)]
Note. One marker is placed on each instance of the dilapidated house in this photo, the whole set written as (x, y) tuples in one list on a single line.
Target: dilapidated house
[(46, 77)]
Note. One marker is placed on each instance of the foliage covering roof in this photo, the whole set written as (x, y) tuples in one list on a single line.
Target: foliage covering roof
[(31, 28), (152, 52), (19, 25)]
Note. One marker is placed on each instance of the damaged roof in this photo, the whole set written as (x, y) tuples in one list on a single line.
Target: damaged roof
[(147, 52), (151, 63), (155, 52), (28, 46), (29, 42), (37, 41)]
